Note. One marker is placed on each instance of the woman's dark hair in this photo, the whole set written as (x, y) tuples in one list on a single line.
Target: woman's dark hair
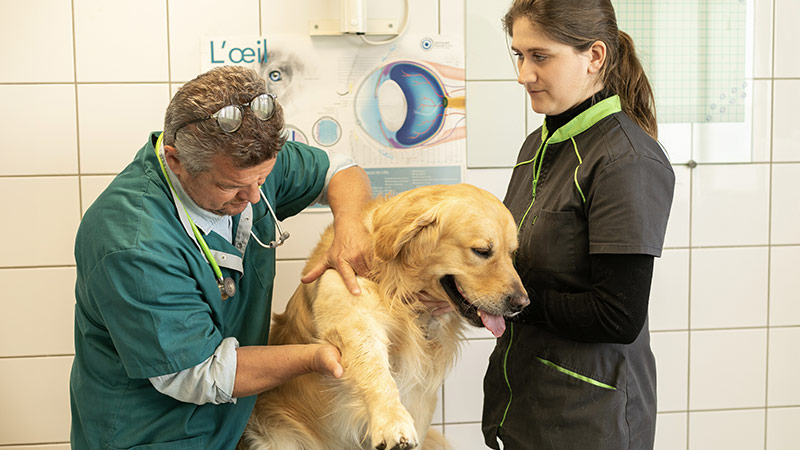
[(581, 23)]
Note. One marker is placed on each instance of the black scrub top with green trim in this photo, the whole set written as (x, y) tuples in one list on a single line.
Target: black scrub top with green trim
[(603, 186), (147, 304)]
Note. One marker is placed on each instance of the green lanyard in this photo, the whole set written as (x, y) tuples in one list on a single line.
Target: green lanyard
[(227, 287)]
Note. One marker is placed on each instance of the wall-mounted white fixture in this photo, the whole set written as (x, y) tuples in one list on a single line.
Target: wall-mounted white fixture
[(353, 20), (333, 27), (353, 17)]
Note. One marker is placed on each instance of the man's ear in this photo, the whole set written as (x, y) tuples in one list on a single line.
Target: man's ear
[(597, 56), (171, 157)]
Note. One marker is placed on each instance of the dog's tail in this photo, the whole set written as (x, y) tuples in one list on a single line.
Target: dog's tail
[(434, 440)]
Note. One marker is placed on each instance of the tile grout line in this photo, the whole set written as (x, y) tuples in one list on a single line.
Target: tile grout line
[(717, 164), (31, 445), (57, 175), (42, 356), (77, 110), (728, 409), (667, 412), (169, 56), (439, 24), (472, 80), (79, 83), (692, 173), (769, 221), (713, 329)]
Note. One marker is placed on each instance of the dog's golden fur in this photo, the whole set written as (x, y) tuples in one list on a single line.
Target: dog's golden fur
[(395, 353)]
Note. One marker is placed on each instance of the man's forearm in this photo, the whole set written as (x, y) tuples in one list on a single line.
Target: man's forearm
[(260, 368), (348, 193)]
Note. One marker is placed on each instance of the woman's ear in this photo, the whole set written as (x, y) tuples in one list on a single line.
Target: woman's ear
[(597, 56)]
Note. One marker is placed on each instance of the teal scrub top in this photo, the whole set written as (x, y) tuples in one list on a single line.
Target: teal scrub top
[(147, 304)]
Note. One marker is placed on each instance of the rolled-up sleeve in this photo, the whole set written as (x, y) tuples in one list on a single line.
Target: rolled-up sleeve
[(211, 381)]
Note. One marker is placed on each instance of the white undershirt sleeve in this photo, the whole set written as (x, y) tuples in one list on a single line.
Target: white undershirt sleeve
[(211, 381)]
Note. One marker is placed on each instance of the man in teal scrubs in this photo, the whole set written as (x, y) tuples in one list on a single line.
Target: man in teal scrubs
[(174, 297)]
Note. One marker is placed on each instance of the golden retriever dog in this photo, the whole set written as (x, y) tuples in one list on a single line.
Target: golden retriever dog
[(454, 242)]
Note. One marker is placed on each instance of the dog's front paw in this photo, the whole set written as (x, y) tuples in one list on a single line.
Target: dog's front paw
[(394, 432), (402, 445)]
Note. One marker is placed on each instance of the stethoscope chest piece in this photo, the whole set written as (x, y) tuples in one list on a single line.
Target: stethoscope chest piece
[(227, 288)]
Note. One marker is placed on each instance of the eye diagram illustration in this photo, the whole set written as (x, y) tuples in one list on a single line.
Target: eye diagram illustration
[(295, 134), (327, 131), (404, 104)]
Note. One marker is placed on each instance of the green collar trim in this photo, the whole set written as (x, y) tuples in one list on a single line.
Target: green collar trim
[(584, 120)]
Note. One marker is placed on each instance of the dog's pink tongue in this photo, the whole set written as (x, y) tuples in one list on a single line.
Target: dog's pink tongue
[(493, 323)]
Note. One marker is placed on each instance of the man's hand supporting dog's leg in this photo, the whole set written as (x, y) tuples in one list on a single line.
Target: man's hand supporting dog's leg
[(260, 368)]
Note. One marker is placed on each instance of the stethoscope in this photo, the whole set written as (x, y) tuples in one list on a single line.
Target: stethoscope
[(226, 285)]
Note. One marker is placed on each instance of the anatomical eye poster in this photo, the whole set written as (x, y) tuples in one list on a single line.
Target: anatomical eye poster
[(398, 109)]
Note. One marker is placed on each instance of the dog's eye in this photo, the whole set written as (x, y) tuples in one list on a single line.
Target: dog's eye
[(482, 252)]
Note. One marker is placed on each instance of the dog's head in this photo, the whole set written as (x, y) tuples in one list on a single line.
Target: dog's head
[(455, 242)]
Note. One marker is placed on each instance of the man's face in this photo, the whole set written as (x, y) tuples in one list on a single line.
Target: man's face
[(223, 189)]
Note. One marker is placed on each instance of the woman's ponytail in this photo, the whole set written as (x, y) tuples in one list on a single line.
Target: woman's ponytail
[(627, 79)]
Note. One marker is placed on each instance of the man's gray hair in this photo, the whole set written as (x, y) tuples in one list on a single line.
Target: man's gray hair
[(254, 142)]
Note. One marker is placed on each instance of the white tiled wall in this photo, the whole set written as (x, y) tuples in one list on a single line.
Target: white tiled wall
[(83, 81), (730, 430)]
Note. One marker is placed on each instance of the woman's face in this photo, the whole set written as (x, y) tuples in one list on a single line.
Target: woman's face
[(556, 76)]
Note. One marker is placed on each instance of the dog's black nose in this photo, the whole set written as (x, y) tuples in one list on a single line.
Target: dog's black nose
[(517, 302)]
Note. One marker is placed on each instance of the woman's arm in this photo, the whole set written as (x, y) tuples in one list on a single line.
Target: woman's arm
[(614, 310)]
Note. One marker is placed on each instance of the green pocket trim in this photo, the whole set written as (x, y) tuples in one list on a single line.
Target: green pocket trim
[(575, 374)]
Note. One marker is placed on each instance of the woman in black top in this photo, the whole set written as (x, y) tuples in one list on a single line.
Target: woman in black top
[(591, 193)]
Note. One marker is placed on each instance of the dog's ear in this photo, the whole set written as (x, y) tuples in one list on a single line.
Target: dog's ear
[(394, 234)]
